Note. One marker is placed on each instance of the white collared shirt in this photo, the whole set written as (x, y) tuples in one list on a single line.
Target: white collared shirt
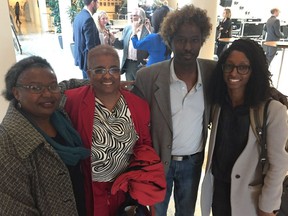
[(187, 115), (86, 8), (132, 52)]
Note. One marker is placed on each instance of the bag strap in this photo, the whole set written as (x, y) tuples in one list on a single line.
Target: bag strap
[(258, 120)]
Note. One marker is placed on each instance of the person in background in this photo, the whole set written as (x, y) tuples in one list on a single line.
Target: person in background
[(114, 124), (85, 34), (232, 183), (132, 58), (17, 13), (153, 43), (101, 20), (224, 30), (176, 91), (40, 152), (272, 28)]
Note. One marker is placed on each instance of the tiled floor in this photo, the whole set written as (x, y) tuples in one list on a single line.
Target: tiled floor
[(46, 45)]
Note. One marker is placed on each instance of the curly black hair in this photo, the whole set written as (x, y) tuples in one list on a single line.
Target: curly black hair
[(18, 68), (258, 87), (187, 14)]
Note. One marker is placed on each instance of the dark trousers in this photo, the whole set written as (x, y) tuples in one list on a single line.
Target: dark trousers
[(221, 204), (130, 69), (220, 48)]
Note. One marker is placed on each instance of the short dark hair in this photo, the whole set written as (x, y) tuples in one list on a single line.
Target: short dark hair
[(87, 2), (187, 14), (158, 16), (18, 68), (102, 49), (258, 86)]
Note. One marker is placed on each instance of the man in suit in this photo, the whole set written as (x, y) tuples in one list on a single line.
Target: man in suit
[(132, 58), (272, 28), (85, 34), (176, 91)]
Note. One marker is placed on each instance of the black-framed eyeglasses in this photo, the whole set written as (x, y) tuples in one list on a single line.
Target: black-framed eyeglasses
[(241, 69), (38, 89), (101, 71)]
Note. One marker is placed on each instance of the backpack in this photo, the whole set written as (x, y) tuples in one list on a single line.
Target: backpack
[(258, 117)]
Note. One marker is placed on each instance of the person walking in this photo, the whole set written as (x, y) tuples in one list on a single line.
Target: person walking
[(176, 91), (85, 34), (17, 13), (272, 28)]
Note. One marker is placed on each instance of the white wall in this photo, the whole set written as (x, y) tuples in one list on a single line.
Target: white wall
[(7, 58), (257, 8)]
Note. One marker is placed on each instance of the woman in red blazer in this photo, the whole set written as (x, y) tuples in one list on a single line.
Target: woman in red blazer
[(112, 123)]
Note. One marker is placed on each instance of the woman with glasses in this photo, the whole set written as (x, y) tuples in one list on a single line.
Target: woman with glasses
[(40, 152), (115, 125), (233, 180)]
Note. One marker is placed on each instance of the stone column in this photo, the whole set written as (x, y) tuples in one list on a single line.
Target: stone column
[(67, 31), (7, 53), (172, 4)]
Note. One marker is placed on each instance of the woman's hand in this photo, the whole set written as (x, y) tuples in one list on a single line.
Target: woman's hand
[(262, 213), (108, 36)]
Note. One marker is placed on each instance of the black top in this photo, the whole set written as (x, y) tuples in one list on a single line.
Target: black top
[(77, 180), (231, 139)]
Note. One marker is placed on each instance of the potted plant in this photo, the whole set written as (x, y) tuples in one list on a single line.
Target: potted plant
[(55, 13), (76, 7)]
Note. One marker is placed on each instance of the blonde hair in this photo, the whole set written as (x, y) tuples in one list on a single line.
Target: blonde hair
[(97, 16), (273, 10), (228, 13)]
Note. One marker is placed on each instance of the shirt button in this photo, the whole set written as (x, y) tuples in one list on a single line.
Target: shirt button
[(166, 162), (237, 176), (169, 146)]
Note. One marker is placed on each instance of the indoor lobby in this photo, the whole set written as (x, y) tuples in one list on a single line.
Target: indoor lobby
[(33, 40)]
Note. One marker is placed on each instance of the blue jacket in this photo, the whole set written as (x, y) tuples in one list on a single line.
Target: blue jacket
[(154, 45), (123, 44), (85, 37)]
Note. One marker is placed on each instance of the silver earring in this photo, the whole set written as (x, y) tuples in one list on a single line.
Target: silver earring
[(19, 105)]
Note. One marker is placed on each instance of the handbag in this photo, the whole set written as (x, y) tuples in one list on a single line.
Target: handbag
[(260, 128)]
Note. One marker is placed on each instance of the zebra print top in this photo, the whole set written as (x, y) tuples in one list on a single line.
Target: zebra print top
[(113, 139)]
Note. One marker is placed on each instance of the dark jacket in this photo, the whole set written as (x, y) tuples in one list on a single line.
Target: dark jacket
[(227, 27), (85, 37), (272, 28)]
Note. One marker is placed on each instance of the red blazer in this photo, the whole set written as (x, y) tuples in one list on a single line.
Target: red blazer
[(144, 179), (80, 106)]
